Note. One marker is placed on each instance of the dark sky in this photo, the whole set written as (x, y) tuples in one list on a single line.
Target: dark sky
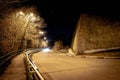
[(61, 16)]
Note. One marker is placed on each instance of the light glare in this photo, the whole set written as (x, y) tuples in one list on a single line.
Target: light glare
[(46, 50)]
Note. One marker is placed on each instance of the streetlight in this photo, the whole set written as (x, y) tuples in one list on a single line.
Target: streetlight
[(41, 32), (21, 13), (46, 41), (45, 38), (29, 18)]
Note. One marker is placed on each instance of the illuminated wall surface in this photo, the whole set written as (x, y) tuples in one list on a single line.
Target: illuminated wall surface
[(94, 32)]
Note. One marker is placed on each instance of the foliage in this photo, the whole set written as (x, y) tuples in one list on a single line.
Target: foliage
[(15, 27), (58, 45)]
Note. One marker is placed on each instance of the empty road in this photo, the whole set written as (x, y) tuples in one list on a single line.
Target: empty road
[(58, 66)]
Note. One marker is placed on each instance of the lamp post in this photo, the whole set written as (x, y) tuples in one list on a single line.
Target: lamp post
[(30, 18)]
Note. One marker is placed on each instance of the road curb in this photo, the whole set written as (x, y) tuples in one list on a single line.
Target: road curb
[(100, 57), (92, 57)]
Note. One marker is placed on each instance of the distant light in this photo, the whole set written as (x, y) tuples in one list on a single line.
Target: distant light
[(45, 49), (41, 32), (21, 13), (31, 14), (45, 38)]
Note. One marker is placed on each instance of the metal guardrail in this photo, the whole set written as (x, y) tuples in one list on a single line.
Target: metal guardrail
[(32, 70), (7, 57)]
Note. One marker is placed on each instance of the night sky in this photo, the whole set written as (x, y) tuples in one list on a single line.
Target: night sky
[(61, 16)]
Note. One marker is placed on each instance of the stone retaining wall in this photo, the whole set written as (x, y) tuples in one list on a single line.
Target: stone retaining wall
[(95, 32)]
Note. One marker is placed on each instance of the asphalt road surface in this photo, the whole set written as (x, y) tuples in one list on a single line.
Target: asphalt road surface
[(56, 66)]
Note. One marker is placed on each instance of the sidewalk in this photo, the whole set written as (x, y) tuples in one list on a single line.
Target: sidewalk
[(97, 55), (92, 57), (16, 70)]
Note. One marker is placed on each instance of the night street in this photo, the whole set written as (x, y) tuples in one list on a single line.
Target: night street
[(82, 37)]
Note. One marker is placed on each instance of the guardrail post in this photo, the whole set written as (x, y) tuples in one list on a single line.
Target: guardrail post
[(31, 69)]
